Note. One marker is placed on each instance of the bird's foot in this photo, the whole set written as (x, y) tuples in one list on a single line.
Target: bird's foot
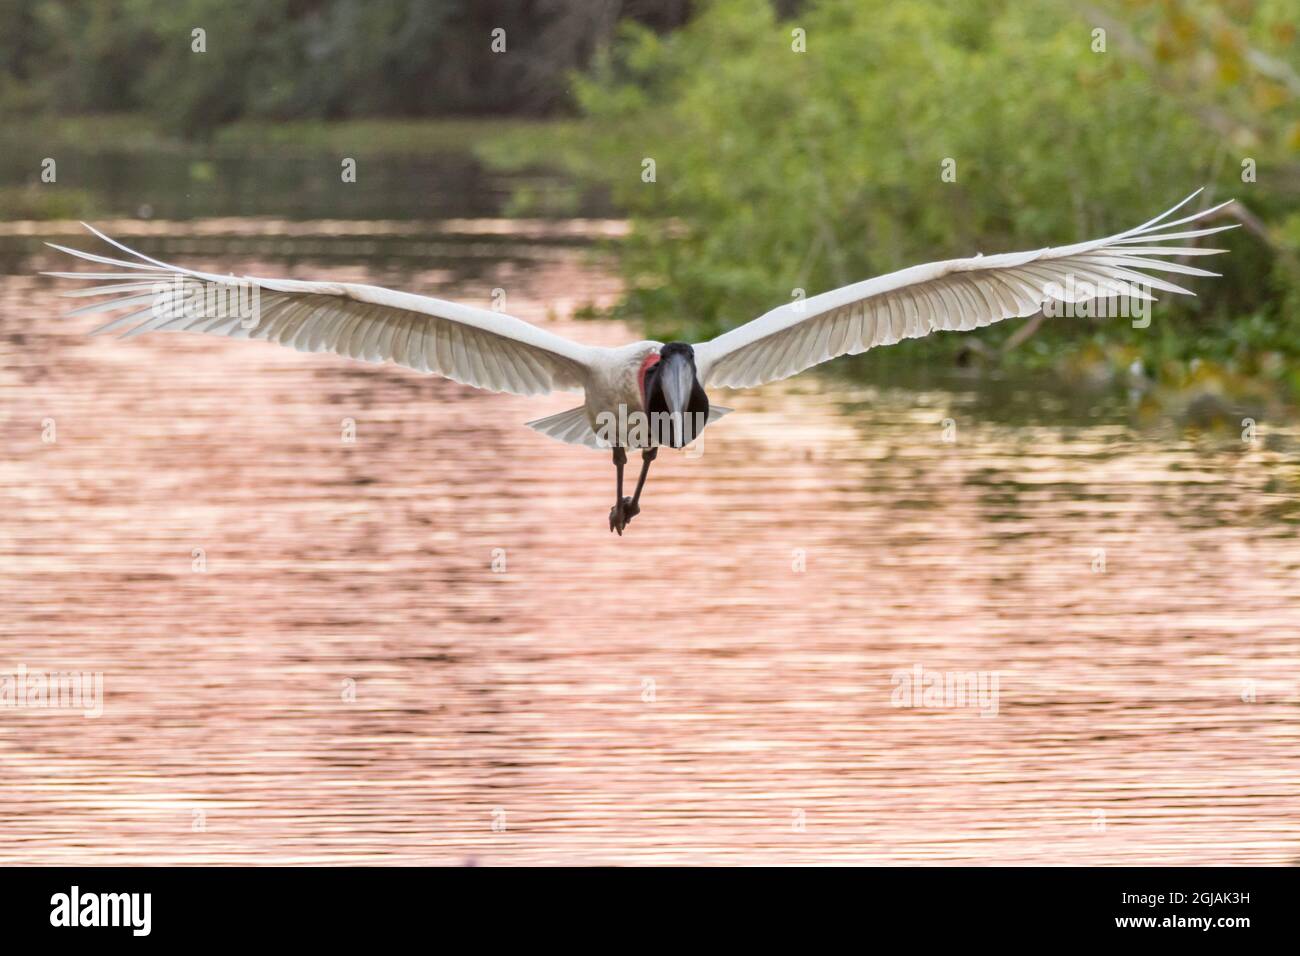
[(622, 514)]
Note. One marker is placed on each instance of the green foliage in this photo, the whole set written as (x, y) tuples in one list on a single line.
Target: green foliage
[(34, 201), (294, 59), (779, 170)]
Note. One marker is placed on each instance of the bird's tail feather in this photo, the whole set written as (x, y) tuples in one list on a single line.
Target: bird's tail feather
[(572, 426)]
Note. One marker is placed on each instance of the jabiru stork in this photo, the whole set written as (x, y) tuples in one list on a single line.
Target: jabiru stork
[(646, 394)]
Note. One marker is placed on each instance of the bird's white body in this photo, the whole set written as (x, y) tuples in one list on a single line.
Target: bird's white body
[(612, 383), (612, 400)]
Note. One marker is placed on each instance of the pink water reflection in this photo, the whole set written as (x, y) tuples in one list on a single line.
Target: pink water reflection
[(1122, 735)]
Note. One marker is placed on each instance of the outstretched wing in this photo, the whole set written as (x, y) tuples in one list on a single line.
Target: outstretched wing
[(469, 345), (954, 295)]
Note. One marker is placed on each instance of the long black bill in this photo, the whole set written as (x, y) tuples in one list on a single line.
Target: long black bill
[(681, 396)]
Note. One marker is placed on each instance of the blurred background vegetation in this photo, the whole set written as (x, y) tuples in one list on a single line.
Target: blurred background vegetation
[(300, 59), (797, 145)]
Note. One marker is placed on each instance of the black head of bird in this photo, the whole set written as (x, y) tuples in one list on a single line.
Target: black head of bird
[(673, 397)]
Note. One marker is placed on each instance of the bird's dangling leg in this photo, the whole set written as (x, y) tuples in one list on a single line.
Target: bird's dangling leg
[(621, 515), (617, 517), (633, 506)]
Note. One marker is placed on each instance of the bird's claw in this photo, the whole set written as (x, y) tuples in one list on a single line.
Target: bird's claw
[(622, 513)]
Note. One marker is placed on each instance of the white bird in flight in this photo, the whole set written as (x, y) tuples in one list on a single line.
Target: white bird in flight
[(646, 394)]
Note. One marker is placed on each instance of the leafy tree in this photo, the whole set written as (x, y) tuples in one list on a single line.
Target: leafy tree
[(779, 170)]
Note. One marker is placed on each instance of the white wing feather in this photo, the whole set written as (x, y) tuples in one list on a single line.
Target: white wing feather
[(469, 345), (954, 295)]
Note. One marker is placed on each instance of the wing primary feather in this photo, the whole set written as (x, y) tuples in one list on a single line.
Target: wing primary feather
[(464, 343)]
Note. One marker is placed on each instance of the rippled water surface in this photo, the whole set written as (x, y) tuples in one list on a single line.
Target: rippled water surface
[(425, 646)]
